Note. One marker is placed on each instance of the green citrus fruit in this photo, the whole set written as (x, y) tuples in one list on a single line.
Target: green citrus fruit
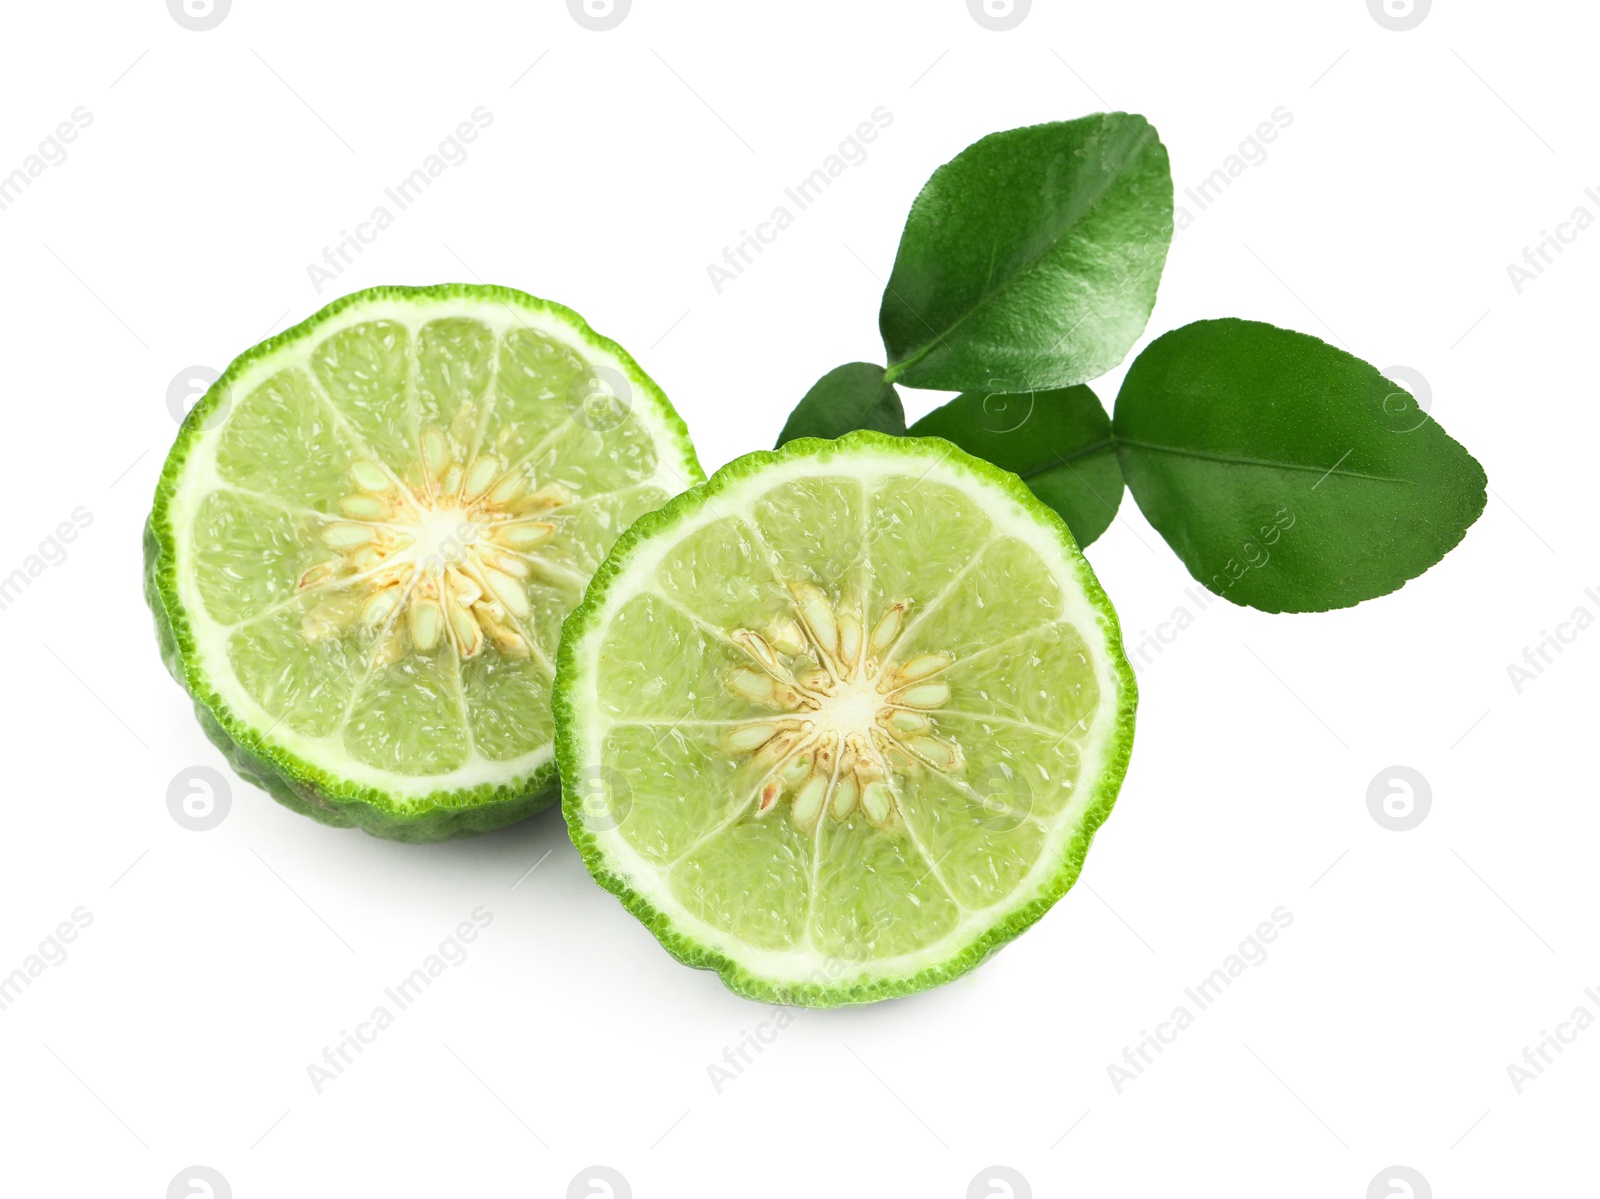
[(842, 721), (367, 536)]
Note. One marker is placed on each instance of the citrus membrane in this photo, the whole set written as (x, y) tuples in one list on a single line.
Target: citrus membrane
[(843, 720), (369, 532)]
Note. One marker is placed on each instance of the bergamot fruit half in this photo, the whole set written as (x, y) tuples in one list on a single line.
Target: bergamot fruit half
[(369, 532), (842, 721)]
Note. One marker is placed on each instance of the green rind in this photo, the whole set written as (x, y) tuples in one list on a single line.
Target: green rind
[(292, 781), (684, 946)]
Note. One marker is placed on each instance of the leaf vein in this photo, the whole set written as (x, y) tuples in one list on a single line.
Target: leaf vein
[(1265, 463), (1060, 460)]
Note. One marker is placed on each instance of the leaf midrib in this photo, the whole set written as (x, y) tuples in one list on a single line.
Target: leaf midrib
[(858, 419), (1061, 460), (1266, 463)]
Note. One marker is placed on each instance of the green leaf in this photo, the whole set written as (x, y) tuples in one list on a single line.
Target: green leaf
[(1031, 259), (1058, 441), (853, 396), (1287, 474)]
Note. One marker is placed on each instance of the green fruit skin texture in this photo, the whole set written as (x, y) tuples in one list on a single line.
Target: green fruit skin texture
[(296, 784)]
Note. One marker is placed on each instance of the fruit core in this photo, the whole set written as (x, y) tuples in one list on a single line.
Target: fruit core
[(438, 559), (848, 717)]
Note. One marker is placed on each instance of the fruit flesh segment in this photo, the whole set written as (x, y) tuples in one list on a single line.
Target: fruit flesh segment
[(845, 718), (400, 524)]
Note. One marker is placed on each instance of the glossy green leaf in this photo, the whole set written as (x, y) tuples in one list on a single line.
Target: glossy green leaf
[(1287, 474), (1058, 441), (1031, 259), (853, 396)]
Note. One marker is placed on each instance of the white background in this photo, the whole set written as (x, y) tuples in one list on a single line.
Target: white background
[(218, 965)]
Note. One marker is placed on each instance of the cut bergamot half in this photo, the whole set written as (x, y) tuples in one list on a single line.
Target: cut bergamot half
[(369, 532), (842, 721)]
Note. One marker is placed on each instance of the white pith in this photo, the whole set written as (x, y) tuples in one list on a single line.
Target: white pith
[(806, 965), (200, 476)]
